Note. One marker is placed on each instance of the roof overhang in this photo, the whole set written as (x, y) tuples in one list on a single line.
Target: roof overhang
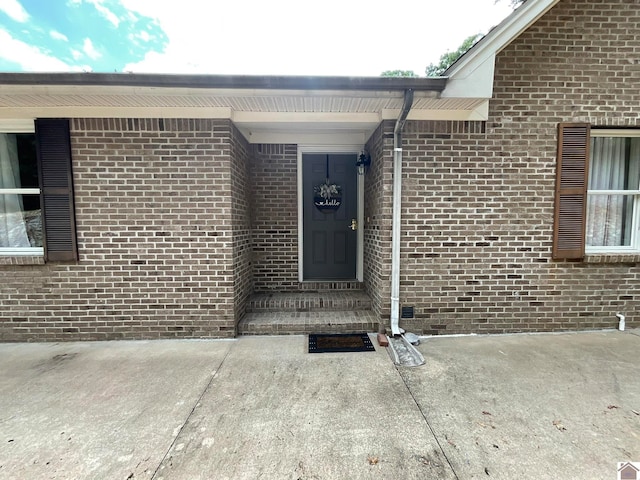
[(272, 109), (266, 109), (472, 75)]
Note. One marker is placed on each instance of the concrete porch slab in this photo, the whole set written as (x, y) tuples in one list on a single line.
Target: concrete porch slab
[(101, 410), (532, 406), (520, 406), (294, 415)]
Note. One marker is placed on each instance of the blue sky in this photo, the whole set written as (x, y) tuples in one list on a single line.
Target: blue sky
[(276, 37)]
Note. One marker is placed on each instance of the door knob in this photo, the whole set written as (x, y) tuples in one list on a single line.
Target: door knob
[(354, 224)]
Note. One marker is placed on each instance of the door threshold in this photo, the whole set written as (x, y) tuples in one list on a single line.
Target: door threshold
[(323, 285), (330, 280)]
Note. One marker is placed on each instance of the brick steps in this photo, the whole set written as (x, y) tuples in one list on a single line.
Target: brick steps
[(309, 312), (310, 301), (298, 323)]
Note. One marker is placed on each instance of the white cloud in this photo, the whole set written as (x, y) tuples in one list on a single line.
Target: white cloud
[(144, 36), (58, 36), (14, 9), (99, 6), (90, 50), (29, 58), (354, 37), (105, 12), (77, 54)]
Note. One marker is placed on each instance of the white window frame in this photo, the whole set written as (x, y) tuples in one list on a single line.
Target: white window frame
[(19, 126), (634, 247)]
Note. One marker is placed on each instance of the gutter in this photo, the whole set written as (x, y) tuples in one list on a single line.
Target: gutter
[(249, 82), (397, 212)]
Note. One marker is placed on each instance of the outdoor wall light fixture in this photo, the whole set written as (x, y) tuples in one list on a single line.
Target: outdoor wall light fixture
[(363, 162)]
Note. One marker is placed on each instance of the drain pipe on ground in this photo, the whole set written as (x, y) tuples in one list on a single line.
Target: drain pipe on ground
[(397, 212)]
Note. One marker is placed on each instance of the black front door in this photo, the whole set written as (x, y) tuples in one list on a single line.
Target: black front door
[(330, 242)]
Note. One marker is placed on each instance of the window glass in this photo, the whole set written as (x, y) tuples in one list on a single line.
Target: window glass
[(609, 220), (20, 213), (614, 180), (26, 144)]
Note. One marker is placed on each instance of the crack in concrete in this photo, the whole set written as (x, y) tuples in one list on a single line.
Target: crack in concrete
[(444, 454), (186, 421)]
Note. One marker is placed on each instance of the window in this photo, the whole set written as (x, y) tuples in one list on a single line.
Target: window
[(37, 215), (20, 212), (597, 192), (613, 191)]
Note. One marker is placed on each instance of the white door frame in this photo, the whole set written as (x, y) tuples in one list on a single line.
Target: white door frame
[(355, 150)]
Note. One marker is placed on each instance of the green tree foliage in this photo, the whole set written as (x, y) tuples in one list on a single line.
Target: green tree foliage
[(447, 59), (398, 73)]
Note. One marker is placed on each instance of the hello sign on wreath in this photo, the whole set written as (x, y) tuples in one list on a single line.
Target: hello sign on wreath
[(327, 197)]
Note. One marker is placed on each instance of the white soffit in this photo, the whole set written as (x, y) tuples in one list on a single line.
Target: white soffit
[(345, 101), (242, 106), (262, 115), (472, 75)]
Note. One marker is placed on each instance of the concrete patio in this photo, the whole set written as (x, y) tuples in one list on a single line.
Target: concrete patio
[(518, 406)]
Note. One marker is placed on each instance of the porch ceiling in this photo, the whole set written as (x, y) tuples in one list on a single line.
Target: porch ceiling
[(265, 109)]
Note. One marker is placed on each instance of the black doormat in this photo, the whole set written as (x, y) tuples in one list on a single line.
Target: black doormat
[(340, 342)]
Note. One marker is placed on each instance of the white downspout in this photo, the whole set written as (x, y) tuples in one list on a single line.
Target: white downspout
[(397, 212)]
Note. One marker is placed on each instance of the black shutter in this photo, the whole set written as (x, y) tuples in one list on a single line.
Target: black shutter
[(56, 184), (571, 190)]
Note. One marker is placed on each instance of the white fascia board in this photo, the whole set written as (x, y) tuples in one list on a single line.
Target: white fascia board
[(480, 61), (17, 125), (310, 137), (240, 117), (115, 112), (94, 90)]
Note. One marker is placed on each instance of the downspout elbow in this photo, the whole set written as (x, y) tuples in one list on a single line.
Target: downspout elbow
[(406, 108)]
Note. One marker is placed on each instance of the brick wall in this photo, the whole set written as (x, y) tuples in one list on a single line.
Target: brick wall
[(241, 222), (378, 205), (178, 220), (480, 205), (153, 208), (275, 217)]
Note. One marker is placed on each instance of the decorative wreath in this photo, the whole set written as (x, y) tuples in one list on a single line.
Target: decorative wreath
[(327, 190)]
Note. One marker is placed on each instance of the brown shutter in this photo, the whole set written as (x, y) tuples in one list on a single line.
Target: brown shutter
[(56, 183), (571, 190)]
